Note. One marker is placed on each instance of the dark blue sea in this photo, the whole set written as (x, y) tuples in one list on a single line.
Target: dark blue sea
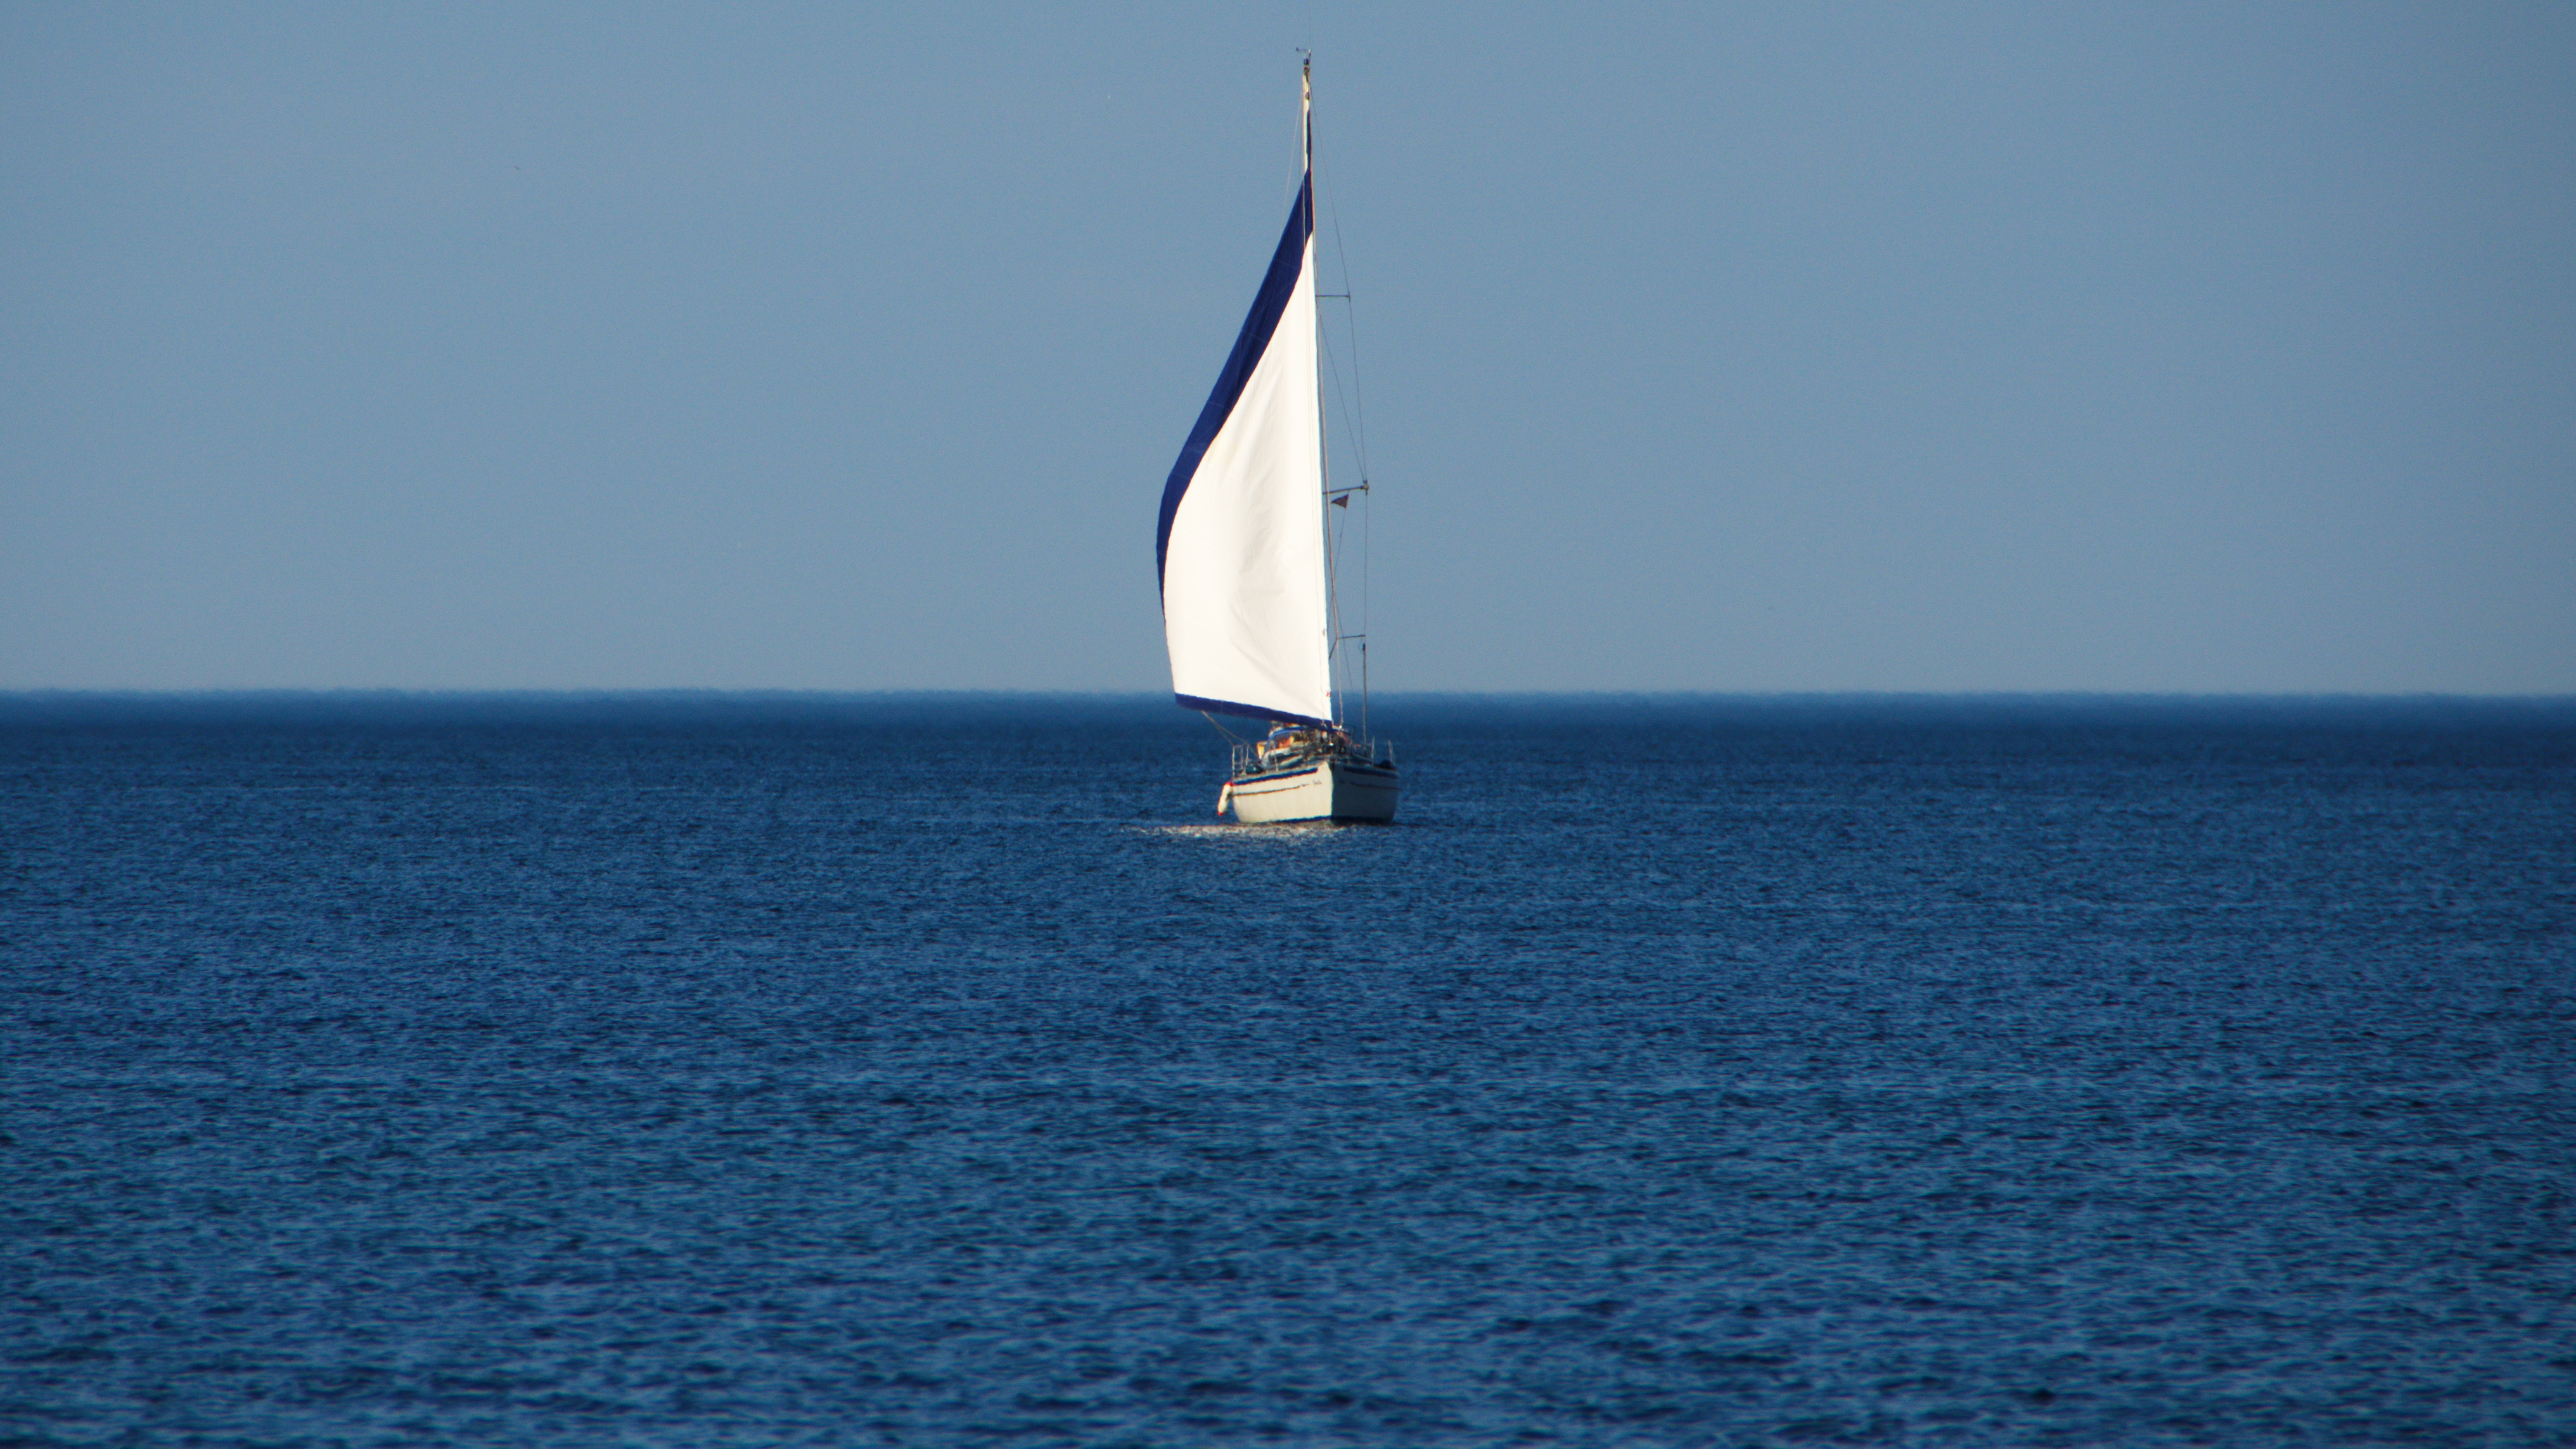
[(731, 1070)]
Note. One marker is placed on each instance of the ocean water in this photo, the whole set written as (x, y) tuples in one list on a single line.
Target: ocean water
[(749, 1071)]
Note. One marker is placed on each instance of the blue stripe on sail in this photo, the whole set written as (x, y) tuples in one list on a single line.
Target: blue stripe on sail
[(1249, 344), (1248, 711)]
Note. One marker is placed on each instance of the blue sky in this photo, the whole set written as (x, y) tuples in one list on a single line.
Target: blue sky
[(1983, 347)]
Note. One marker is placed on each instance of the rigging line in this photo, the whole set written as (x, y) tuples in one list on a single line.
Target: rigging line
[(1356, 408), (1332, 544), (1336, 523), (1350, 318), (1350, 321), (1336, 543), (1323, 423), (1324, 440), (1333, 361)]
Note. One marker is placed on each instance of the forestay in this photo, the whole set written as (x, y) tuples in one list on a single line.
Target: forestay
[(1241, 543)]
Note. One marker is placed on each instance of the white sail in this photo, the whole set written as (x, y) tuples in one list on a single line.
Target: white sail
[(1241, 543)]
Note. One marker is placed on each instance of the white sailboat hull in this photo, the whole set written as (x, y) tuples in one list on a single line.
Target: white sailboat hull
[(1325, 790)]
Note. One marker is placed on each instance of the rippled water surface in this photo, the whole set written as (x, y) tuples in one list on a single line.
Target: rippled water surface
[(740, 1071)]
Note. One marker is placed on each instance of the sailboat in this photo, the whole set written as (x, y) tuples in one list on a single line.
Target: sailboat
[(1246, 562)]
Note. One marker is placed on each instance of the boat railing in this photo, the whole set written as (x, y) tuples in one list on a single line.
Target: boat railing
[(1255, 757)]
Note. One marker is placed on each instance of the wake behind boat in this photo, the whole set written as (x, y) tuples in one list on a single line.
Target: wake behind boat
[(1246, 561)]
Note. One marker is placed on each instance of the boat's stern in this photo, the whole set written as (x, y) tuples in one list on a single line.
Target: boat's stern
[(1334, 788)]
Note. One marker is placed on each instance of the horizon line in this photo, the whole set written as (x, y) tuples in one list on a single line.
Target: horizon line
[(355, 693)]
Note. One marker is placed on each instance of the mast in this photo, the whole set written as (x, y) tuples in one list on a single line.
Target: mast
[(1323, 444)]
